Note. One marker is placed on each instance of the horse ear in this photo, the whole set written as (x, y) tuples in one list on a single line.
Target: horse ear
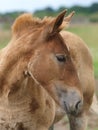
[(60, 22), (67, 20), (56, 23)]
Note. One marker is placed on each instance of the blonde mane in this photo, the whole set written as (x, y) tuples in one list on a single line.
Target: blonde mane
[(26, 21)]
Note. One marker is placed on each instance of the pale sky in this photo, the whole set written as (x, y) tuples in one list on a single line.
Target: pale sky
[(32, 5)]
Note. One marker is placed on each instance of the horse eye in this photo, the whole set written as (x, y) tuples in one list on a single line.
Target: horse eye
[(61, 58)]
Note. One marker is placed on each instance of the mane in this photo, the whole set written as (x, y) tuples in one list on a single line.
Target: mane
[(26, 21)]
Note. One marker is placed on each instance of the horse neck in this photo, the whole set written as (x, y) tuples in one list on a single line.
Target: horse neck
[(13, 62), (14, 82)]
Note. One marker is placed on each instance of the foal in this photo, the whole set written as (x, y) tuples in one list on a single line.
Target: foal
[(36, 69)]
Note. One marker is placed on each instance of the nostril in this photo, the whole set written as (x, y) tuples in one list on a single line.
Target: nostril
[(78, 105)]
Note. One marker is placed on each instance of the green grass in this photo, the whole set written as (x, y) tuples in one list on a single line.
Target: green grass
[(93, 129), (96, 129), (89, 33), (5, 36)]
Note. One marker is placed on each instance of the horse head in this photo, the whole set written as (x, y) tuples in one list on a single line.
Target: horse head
[(49, 62)]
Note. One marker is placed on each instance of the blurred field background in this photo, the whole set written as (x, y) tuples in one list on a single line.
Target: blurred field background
[(84, 24)]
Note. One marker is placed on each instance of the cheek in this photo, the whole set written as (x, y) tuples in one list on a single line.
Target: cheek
[(44, 70)]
